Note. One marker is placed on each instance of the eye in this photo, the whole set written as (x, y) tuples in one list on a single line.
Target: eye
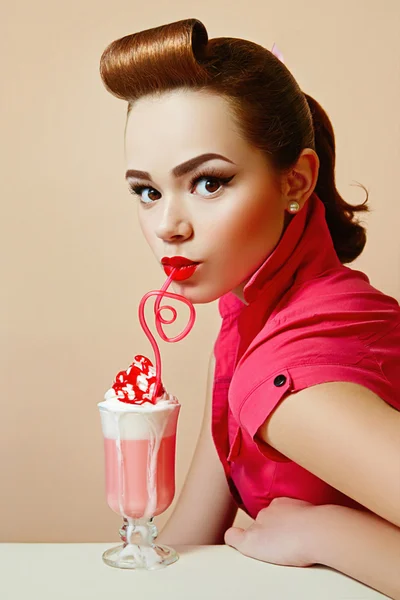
[(212, 176), (208, 179), (137, 190)]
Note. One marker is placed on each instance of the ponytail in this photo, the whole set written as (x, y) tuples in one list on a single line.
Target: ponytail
[(349, 237)]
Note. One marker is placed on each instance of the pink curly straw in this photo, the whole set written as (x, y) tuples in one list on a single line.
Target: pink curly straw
[(159, 319)]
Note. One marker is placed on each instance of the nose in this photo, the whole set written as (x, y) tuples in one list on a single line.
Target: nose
[(175, 223)]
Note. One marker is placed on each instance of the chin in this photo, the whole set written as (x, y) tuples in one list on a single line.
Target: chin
[(195, 294)]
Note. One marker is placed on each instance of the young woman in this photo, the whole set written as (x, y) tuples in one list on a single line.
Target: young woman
[(232, 167)]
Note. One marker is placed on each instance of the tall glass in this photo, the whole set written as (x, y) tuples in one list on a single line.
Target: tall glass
[(139, 448)]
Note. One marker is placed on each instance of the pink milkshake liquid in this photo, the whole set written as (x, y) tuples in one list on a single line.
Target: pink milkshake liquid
[(135, 468), (139, 451)]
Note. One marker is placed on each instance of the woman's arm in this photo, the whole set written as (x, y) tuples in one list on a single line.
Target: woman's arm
[(205, 508), (347, 436), (359, 544), (350, 438)]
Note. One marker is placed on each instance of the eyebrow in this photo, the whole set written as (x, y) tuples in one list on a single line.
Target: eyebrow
[(181, 169)]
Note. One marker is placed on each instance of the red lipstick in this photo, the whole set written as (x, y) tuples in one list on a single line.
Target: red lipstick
[(184, 268), (177, 261)]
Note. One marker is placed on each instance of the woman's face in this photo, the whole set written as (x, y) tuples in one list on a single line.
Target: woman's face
[(229, 227)]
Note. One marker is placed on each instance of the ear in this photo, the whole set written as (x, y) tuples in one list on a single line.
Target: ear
[(302, 178)]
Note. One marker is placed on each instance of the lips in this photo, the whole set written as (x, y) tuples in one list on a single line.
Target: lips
[(184, 268), (177, 261)]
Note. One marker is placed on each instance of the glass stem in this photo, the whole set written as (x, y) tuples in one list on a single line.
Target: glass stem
[(141, 532)]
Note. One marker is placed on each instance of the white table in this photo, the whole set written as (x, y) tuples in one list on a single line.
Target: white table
[(77, 572)]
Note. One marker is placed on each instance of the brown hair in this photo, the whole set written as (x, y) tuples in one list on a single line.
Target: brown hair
[(269, 108)]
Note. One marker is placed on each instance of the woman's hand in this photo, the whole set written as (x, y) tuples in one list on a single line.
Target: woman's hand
[(282, 534)]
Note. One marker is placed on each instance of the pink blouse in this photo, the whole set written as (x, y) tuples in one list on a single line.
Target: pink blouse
[(308, 320)]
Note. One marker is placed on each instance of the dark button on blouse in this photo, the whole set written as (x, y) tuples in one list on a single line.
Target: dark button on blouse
[(279, 380)]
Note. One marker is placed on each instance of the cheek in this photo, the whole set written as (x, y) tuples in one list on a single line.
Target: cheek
[(146, 230), (254, 220), (250, 235)]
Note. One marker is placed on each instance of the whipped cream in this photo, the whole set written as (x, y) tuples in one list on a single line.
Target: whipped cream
[(124, 421)]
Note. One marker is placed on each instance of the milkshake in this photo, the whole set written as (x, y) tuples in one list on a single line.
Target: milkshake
[(139, 423), (139, 450)]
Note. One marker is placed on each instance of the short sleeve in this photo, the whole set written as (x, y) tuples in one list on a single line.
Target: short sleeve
[(260, 404), (294, 368)]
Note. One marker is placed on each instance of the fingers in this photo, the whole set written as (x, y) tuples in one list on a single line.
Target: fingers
[(234, 537)]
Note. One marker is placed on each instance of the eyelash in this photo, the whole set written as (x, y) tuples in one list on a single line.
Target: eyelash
[(210, 173)]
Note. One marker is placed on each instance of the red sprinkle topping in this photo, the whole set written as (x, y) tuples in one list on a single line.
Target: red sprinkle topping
[(136, 384)]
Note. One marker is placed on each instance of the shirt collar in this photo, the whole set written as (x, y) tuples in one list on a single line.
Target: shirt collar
[(304, 251)]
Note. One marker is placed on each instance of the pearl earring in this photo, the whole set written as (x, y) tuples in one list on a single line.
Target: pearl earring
[(294, 207)]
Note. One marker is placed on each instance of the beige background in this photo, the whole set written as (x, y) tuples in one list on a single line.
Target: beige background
[(74, 263)]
